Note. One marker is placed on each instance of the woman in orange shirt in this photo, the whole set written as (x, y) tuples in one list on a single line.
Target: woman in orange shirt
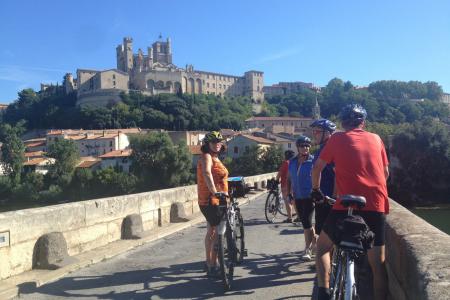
[(212, 178)]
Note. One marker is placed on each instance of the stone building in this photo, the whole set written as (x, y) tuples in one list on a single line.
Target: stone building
[(286, 88), (154, 73)]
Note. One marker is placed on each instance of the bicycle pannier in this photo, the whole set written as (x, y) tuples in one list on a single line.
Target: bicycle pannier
[(354, 233), (238, 183)]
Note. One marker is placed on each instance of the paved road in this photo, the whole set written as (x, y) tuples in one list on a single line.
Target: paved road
[(171, 268)]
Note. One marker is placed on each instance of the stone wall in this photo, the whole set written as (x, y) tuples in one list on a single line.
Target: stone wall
[(89, 224), (418, 257)]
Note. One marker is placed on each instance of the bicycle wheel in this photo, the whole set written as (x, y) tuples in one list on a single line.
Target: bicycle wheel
[(271, 208), (338, 288), (227, 256), (239, 237)]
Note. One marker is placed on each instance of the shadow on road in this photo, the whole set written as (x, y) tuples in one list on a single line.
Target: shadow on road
[(181, 281)]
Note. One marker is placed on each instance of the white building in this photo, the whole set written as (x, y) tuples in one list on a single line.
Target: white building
[(119, 159)]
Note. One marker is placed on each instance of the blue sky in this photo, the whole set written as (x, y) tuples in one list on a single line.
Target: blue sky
[(295, 40)]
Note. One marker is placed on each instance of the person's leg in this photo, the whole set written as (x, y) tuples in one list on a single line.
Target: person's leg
[(287, 202), (323, 264), (376, 257), (298, 209), (307, 212)]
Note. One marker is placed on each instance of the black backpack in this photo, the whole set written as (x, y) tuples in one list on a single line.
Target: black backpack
[(355, 234)]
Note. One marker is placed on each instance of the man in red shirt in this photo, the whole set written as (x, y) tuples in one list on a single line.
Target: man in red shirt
[(361, 168), (282, 176)]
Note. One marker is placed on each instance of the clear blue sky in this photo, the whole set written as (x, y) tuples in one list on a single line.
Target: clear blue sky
[(295, 40)]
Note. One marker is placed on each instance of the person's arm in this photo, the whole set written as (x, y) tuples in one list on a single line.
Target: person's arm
[(386, 172), (319, 165), (289, 183), (207, 174)]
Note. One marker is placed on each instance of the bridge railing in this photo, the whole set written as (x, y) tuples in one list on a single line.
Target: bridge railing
[(86, 225)]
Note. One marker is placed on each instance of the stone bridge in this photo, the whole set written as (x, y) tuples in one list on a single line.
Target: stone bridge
[(58, 238)]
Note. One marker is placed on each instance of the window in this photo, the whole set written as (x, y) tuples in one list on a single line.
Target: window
[(114, 82), (214, 85), (220, 86), (114, 76), (110, 143), (207, 84), (236, 150), (289, 145)]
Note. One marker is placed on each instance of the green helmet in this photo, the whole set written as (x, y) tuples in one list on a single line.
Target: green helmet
[(212, 137)]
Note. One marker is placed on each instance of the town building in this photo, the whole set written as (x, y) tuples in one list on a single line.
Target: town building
[(243, 142), (286, 88), (118, 160), (291, 125), (91, 143), (154, 73), (39, 165)]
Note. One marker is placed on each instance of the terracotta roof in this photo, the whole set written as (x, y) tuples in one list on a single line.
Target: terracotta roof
[(195, 149), (88, 164), (259, 140), (36, 161), (35, 153), (36, 144), (277, 119), (117, 153)]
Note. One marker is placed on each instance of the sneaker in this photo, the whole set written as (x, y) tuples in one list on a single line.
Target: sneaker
[(288, 220), (307, 255)]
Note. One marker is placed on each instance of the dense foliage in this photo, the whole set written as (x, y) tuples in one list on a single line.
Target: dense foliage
[(166, 111)]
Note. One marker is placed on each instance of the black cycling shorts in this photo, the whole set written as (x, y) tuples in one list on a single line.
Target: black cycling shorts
[(306, 209), (211, 213), (375, 220), (321, 214)]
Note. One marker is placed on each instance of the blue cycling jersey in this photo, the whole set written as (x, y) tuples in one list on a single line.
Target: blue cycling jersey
[(300, 177), (327, 175)]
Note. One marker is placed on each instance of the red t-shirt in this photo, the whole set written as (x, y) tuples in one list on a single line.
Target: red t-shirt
[(360, 159), (283, 171)]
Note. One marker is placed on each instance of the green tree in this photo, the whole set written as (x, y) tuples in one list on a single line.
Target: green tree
[(248, 164), (271, 159), (12, 151), (423, 153), (158, 163), (65, 153)]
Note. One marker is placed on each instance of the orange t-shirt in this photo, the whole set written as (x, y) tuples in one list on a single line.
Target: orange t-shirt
[(220, 176), (360, 159)]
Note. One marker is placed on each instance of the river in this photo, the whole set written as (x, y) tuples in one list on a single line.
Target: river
[(437, 216)]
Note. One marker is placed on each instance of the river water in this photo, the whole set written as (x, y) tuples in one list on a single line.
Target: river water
[(437, 216)]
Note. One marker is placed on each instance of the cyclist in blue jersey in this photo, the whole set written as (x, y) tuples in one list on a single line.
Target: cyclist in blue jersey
[(322, 129), (299, 181)]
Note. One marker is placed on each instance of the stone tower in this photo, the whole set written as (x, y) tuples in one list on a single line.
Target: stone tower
[(162, 52), (125, 55), (316, 110)]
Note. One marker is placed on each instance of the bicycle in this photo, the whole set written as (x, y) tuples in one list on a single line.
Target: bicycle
[(342, 275), (230, 243), (274, 203)]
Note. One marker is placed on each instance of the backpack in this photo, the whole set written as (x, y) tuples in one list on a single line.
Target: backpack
[(238, 183), (354, 233)]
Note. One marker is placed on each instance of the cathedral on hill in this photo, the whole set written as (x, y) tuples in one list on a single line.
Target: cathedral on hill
[(153, 73)]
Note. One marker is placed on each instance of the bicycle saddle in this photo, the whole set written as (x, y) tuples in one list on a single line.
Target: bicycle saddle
[(349, 200)]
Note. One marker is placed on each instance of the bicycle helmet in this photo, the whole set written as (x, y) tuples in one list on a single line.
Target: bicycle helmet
[(324, 124), (303, 140), (288, 154), (352, 115), (212, 137)]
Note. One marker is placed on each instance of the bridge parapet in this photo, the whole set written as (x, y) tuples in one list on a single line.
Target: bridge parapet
[(90, 224), (418, 257)]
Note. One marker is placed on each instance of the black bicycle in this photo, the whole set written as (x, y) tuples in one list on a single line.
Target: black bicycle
[(231, 243), (274, 204)]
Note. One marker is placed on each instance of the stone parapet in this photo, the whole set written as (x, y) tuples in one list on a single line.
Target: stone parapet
[(418, 257), (94, 223)]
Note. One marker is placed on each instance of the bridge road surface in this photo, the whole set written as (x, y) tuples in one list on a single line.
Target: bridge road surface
[(172, 268)]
